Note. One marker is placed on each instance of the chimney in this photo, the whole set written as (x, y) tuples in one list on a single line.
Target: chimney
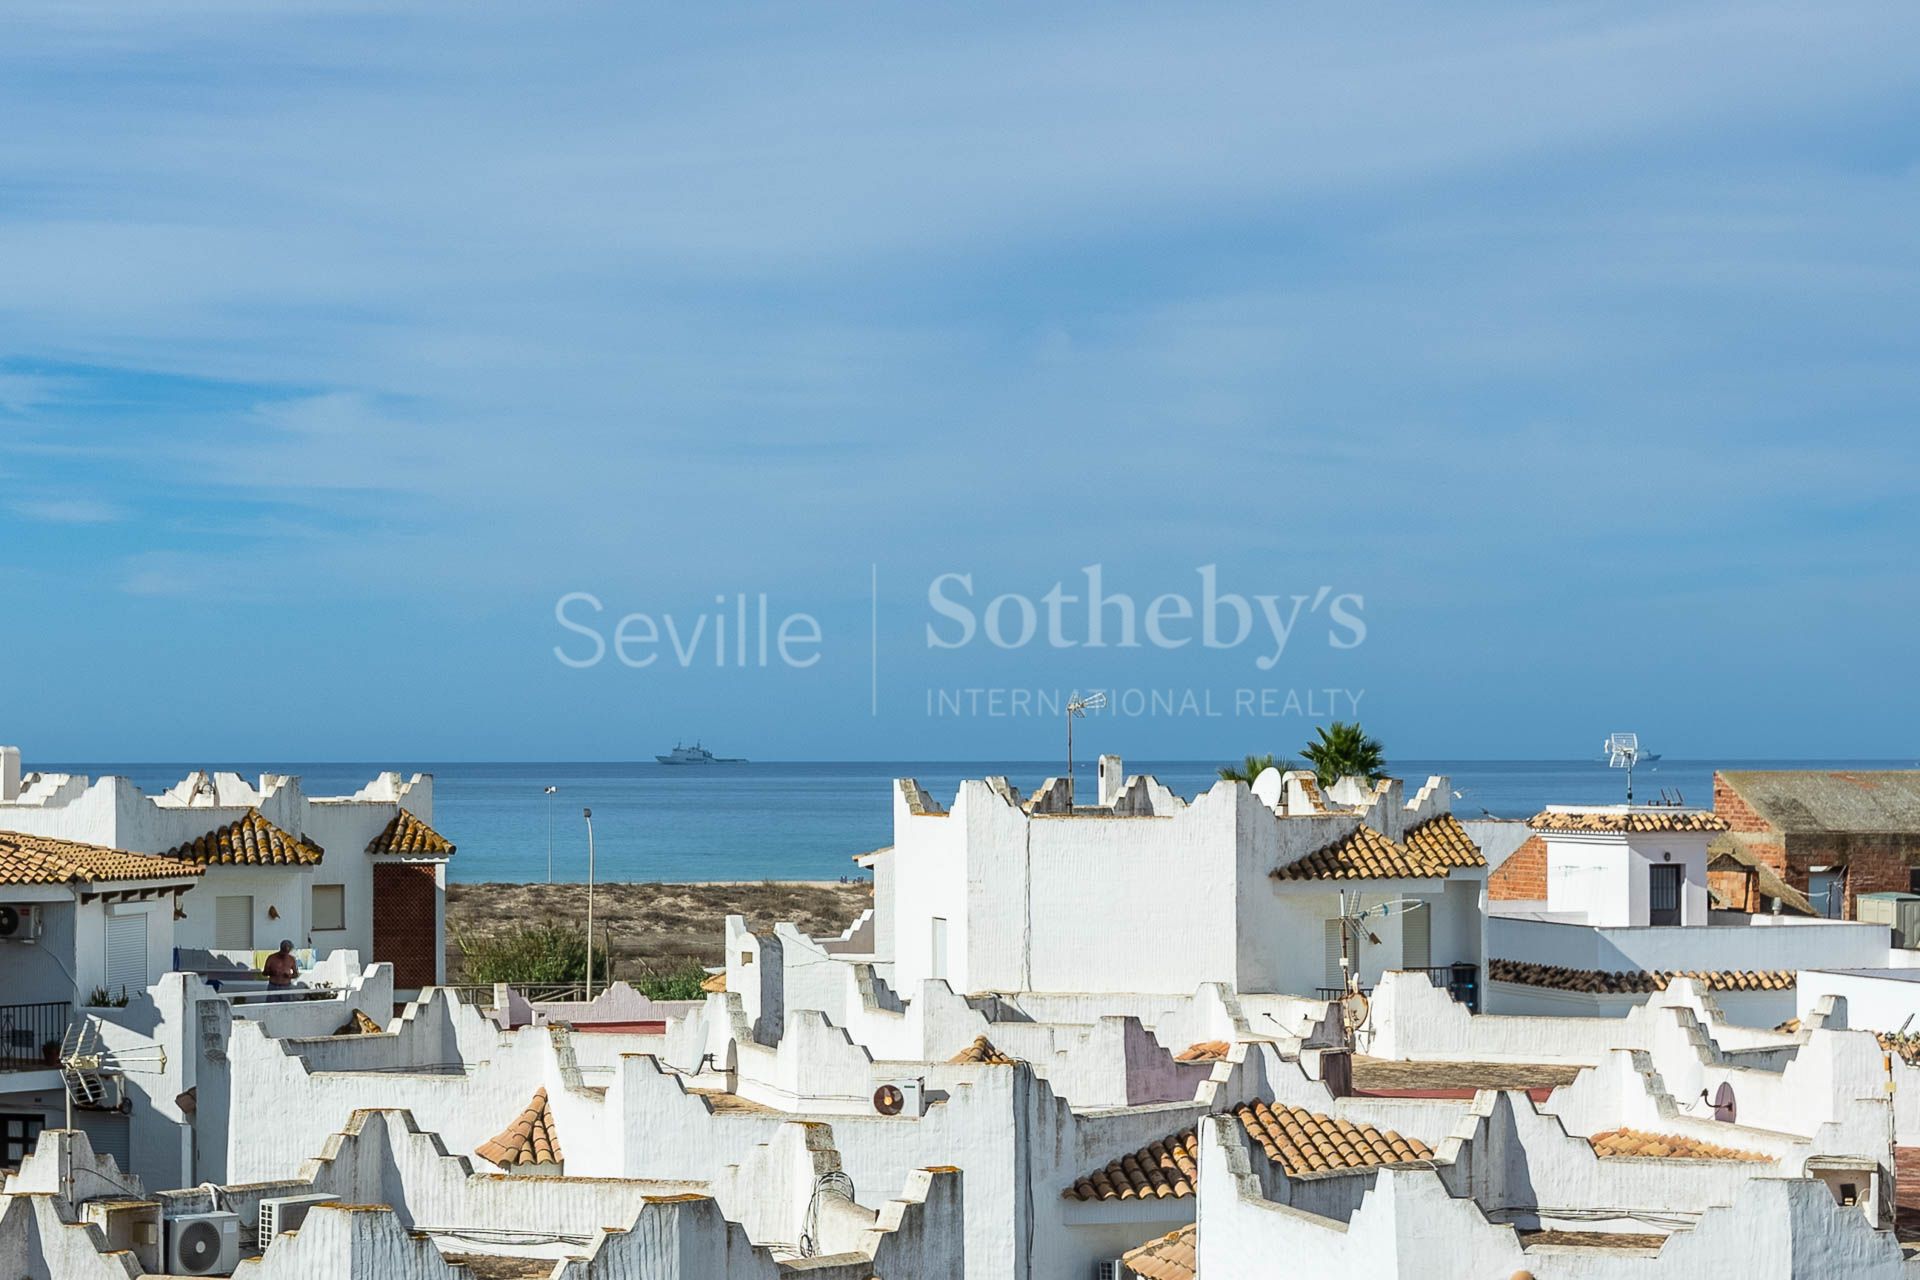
[(9, 773), (1112, 777)]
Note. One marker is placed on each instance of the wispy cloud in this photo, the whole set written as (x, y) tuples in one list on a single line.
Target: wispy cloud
[(67, 510)]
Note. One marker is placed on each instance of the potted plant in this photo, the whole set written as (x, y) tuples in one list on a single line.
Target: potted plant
[(50, 1053)]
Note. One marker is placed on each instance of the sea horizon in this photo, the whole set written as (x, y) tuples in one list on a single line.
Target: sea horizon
[(805, 820)]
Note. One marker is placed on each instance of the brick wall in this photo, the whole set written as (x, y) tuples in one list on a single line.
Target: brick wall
[(1874, 863), (1523, 876), (406, 903), (1739, 814)]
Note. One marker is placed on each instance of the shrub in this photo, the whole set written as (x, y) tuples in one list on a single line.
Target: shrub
[(101, 1000), (532, 953), (679, 983)]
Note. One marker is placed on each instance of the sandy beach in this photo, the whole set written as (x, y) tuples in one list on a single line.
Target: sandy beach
[(653, 926)]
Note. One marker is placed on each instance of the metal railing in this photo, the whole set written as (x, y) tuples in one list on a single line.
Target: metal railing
[(1461, 981), (27, 1029)]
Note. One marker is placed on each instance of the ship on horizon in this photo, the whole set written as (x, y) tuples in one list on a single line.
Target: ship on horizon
[(696, 754)]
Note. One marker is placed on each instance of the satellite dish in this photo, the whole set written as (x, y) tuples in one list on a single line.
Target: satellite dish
[(1724, 1107), (888, 1100), (1354, 1009)]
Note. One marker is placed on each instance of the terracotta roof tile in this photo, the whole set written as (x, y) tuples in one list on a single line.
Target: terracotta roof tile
[(1633, 821), (250, 839), (981, 1053), (1362, 854), (530, 1139), (1174, 1256), (1445, 841), (715, 983), (1205, 1051), (406, 834), (1637, 1142), (1635, 982), (1298, 1140), (26, 859)]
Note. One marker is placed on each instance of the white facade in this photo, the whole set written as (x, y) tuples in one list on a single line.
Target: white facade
[(996, 895), (242, 908)]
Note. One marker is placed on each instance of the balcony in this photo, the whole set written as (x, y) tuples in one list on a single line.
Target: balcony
[(1461, 981), (25, 1031)]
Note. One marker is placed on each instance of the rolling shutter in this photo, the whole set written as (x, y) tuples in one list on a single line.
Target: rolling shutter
[(233, 923), (1335, 978), (127, 954)]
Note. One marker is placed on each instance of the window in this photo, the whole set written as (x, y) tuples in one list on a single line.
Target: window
[(329, 906), (17, 1135), (233, 923), (127, 954), (1913, 880)]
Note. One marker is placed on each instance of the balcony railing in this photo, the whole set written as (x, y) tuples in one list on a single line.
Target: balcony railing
[(27, 1029), (1461, 981)]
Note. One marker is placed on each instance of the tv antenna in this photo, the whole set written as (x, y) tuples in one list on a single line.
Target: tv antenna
[(1078, 707), (1623, 749), (92, 1072), (1354, 1005)]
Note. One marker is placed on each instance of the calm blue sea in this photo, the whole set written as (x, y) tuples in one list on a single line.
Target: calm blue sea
[(803, 821)]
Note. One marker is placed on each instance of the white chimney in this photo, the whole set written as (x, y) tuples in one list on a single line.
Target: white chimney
[(1112, 777), (9, 773)]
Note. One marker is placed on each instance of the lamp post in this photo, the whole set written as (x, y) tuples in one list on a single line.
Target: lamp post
[(588, 815), (550, 791)]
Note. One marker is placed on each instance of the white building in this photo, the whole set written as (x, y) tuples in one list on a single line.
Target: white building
[(997, 893), (364, 872), (1627, 909)]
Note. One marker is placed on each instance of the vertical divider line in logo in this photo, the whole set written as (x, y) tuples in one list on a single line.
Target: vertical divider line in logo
[(874, 640)]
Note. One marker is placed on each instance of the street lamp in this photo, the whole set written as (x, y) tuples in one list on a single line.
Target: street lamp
[(588, 815), (1078, 707), (550, 791)]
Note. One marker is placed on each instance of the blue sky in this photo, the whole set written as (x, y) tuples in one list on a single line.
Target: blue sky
[(337, 343)]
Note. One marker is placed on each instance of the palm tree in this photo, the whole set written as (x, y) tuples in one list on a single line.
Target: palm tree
[(1247, 772), (1345, 750)]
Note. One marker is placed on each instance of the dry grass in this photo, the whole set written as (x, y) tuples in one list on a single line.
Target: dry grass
[(653, 927)]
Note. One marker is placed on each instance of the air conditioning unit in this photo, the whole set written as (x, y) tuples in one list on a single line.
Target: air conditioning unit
[(280, 1214), (132, 1225), (1899, 910), (203, 1244), (904, 1097), (1111, 1270), (19, 922)]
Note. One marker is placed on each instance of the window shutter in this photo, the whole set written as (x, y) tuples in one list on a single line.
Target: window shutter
[(127, 954)]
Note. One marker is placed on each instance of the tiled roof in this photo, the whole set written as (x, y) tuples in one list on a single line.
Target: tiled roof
[(1433, 848), (1298, 1140), (1635, 982), (1205, 1051), (359, 1025), (1869, 801), (1174, 1256), (1445, 841), (1302, 1141), (1628, 820), (406, 834), (251, 839), (528, 1140), (1637, 1142), (981, 1053), (715, 983), (26, 859)]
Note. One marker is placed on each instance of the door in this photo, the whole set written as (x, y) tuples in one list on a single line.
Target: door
[(1663, 893), (1827, 891), (1336, 980), (233, 923), (1416, 937), (938, 964), (127, 954), (406, 907)]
